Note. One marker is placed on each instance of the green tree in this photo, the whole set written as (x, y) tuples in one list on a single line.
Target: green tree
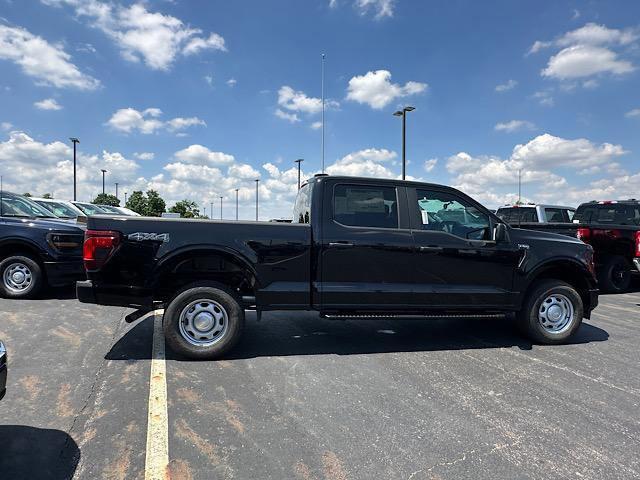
[(106, 199), (186, 209), (47, 195), (155, 204), (138, 202), (27, 194)]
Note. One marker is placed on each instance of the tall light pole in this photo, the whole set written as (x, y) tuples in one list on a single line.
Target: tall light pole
[(237, 203), (257, 182), (125, 199), (403, 113), (116, 189), (75, 141), (299, 161), (322, 88), (103, 172), (211, 211)]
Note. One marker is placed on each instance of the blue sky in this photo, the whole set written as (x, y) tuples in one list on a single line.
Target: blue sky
[(220, 93)]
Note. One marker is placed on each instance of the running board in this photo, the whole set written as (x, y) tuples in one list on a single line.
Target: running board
[(339, 316)]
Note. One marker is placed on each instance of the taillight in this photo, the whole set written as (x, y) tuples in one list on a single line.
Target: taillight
[(637, 254), (99, 245), (583, 234)]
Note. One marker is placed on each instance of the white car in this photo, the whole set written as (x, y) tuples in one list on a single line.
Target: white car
[(60, 208)]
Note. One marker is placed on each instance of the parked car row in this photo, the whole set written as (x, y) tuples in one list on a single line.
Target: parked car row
[(611, 227)]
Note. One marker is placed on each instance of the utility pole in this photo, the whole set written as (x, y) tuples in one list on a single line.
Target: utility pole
[(322, 88), (403, 113), (103, 172), (519, 186), (211, 211), (75, 141), (237, 204), (257, 182), (116, 189), (221, 197), (299, 161), (125, 199)]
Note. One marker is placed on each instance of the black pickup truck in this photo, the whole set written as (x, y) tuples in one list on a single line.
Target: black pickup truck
[(357, 247), (36, 248)]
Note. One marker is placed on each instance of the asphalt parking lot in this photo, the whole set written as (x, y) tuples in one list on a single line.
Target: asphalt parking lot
[(307, 398)]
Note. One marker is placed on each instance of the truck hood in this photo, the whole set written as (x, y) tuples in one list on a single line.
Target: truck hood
[(52, 224)]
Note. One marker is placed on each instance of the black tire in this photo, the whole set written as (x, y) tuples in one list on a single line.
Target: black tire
[(10, 288), (222, 300), (615, 275), (528, 318)]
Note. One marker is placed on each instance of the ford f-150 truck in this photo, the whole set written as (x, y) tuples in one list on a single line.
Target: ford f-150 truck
[(36, 248), (357, 247)]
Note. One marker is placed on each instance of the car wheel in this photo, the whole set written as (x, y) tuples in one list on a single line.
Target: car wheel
[(20, 277), (615, 275), (551, 313), (203, 321)]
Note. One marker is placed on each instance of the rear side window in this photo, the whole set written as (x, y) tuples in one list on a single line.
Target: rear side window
[(302, 207), (518, 214), (365, 206), (554, 215)]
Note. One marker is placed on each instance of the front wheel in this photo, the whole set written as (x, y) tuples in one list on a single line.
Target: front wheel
[(551, 313), (203, 322), (20, 277)]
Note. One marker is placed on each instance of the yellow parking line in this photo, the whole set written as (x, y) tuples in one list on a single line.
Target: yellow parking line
[(157, 458)]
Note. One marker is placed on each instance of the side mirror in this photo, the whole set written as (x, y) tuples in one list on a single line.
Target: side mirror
[(500, 234)]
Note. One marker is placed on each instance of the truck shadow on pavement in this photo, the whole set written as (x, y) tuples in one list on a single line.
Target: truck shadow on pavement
[(36, 453), (284, 334)]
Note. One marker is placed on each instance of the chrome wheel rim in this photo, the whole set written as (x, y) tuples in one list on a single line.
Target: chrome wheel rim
[(556, 313), (203, 322), (17, 277)]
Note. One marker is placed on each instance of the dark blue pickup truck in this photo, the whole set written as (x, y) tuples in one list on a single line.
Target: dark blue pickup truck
[(36, 248)]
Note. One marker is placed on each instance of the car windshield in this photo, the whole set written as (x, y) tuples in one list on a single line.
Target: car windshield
[(90, 209), (19, 206), (58, 208), (613, 213), (110, 209)]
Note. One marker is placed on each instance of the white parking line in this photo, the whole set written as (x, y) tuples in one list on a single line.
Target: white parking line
[(157, 458)]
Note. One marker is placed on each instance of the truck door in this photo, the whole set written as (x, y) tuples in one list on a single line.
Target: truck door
[(456, 263), (366, 247)]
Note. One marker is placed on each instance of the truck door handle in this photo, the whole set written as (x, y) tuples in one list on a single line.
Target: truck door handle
[(340, 244), (430, 248)]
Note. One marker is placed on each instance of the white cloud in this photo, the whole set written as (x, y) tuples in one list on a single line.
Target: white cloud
[(376, 90), (232, 82), (47, 63), (633, 113), (544, 98), (316, 125), (588, 51), (32, 166), (430, 164), (370, 162), (128, 120), (382, 8), (209, 80), (508, 85), (48, 104), (514, 126), (151, 37), (290, 117), (585, 60), (6, 126), (144, 155), (201, 155)]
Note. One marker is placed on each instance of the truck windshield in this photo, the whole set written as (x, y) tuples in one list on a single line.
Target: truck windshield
[(302, 207), (613, 213), (19, 206), (60, 209)]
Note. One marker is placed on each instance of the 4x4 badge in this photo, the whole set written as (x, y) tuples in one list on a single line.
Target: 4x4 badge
[(155, 237)]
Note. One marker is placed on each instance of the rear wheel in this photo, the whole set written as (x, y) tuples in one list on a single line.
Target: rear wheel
[(551, 313), (203, 321), (20, 277), (615, 275)]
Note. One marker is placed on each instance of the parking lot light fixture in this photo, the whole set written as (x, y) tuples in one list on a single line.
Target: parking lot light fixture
[(103, 172), (299, 161), (403, 113), (237, 203), (257, 183), (75, 141)]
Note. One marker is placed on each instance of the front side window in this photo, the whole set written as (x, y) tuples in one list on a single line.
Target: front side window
[(365, 206), (441, 211)]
